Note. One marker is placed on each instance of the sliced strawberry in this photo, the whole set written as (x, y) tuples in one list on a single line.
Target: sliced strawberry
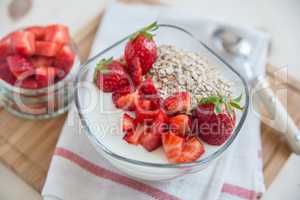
[(127, 102), (45, 76), (48, 49), (180, 124), (173, 146), (23, 43), (29, 83), (136, 72), (160, 123), (177, 103), (192, 150), (65, 58), (127, 123), (57, 33), (41, 61), (5, 48), (150, 141), (38, 31), (6, 75), (134, 136), (19, 66), (147, 87), (121, 92)]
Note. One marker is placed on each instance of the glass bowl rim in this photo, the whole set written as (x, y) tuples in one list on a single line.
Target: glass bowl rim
[(51, 88), (199, 162)]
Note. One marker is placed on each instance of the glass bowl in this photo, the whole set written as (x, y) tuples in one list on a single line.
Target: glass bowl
[(41, 103), (102, 121)]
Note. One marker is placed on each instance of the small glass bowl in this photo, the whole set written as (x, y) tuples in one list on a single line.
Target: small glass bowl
[(98, 115), (42, 103)]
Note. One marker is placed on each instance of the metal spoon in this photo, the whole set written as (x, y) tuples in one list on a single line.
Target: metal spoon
[(234, 45)]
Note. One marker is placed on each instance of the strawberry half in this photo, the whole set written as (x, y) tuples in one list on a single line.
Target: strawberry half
[(177, 103), (19, 66), (57, 33), (214, 118), (141, 46), (23, 43), (110, 75)]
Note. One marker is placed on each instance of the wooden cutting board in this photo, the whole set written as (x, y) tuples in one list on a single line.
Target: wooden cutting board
[(27, 146)]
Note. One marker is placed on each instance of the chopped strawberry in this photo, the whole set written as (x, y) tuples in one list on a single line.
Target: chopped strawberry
[(45, 76), (5, 48), (23, 43), (150, 141), (48, 49), (192, 150), (110, 75), (6, 75), (29, 83), (41, 61), (173, 146), (147, 87), (180, 124), (218, 115), (121, 92), (57, 33), (127, 123), (65, 58), (38, 31), (127, 102), (160, 123), (177, 103), (134, 136), (20, 66), (143, 47), (136, 72)]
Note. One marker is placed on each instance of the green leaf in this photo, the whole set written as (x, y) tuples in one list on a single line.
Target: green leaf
[(236, 105), (218, 108), (102, 65), (238, 99), (146, 31)]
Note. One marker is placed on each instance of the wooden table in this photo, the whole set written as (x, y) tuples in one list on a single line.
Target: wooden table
[(26, 146)]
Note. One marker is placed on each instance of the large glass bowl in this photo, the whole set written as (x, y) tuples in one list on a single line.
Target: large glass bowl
[(102, 121)]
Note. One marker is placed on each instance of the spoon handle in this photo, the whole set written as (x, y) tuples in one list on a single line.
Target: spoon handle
[(282, 120)]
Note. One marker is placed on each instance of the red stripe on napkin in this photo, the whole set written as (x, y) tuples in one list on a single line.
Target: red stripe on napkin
[(109, 175), (239, 191)]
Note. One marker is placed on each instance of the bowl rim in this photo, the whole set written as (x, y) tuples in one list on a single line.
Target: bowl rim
[(199, 162)]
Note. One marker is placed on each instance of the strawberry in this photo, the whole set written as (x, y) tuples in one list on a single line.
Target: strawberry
[(160, 123), (150, 141), (65, 59), (127, 102), (180, 124), (41, 61), (57, 33), (214, 119), (127, 123), (192, 150), (19, 66), (45, 76), (142, 46), (6, 75), (172, 145), (136, 72), (38, 31), (122, 91), (48, 49), (147, 87), (23, 43), (29, 83), (133, 137), (110, 75), (177, 103), (5, 48)]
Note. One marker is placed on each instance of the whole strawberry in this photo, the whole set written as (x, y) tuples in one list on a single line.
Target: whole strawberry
[(110, 75), (142, 46), (214, 119)]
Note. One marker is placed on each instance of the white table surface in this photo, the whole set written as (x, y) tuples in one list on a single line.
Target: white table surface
[(280, 18)]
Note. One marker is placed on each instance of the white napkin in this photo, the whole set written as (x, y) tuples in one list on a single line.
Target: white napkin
[(78, 172)]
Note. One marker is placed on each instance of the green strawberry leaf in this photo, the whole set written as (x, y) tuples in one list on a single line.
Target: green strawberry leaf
[(102, 67), (146, 31), (236, 105), (238, 99), (218, 108)]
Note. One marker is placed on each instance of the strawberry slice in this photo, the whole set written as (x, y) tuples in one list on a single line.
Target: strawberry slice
[(127, 123), (29, 83), (134, 136), (147, 87), (180, 124), (41, 61), (136, 72), (38, 31), (23, 43), (121, 92), (19, 66), (57, 33), (178, 102), (45, 76), (127, 102), (5, 48), (6, 75), (150, 141), (48, 49), (192, 150), (65, 58), (173, 146)]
